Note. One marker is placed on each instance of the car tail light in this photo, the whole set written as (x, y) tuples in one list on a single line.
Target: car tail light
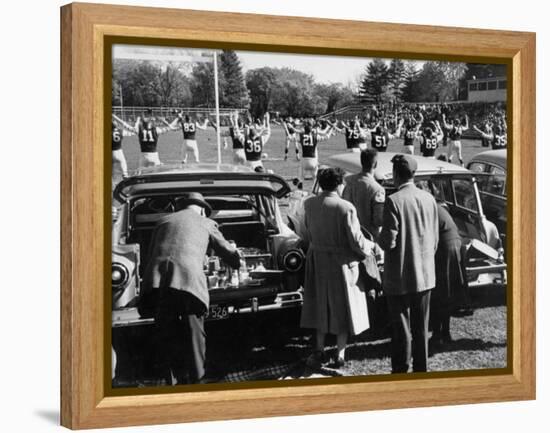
[(119, 276), (293, 260), (124, 274)]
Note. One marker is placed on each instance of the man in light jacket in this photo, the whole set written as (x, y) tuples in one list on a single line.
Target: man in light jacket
[(366, 194), (333, 303), (409, 238)]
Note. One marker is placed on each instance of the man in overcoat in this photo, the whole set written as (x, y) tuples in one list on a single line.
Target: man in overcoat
[(174, 286), (333, 303), (409, 238)]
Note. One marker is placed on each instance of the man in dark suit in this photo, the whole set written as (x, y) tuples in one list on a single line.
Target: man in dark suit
[(174, 279), (409, 238)]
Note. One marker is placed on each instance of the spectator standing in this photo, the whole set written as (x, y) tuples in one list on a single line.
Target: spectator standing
[(333, 303), (409, 238), (449, 275), (174, 289)]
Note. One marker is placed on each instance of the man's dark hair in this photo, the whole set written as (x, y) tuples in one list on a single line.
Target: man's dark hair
[(403, 171), (368, 159), (330, 178)]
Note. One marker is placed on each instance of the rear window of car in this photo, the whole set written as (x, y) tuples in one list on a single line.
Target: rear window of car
[(477, 167), (495, 184), (497, 170)]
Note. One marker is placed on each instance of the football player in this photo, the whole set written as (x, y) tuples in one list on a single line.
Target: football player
[(148, 133), (500, 139), (380, 137), (486, 134), (497, 138), (189, 128), (455, 131), (237, 139), (256, 137), (410, 133), (430, 139), (309, 137), (291, 137), (119, 166)]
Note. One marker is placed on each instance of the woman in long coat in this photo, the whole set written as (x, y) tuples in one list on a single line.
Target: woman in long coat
[(449, 274), (333, 303)]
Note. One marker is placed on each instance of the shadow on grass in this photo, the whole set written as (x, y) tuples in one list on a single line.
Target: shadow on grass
[(490, 296), (465, 344)]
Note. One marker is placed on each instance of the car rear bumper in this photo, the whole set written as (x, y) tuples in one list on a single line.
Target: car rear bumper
[(232, 304), (490, 275)]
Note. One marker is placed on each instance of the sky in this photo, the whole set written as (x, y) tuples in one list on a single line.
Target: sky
[(325, 69)]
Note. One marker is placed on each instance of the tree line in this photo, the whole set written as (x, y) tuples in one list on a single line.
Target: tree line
[(283, 90)]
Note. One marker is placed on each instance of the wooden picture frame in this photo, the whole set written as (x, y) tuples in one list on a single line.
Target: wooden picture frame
[(85, 211)]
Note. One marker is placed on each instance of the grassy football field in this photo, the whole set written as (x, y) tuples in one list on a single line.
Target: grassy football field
[(243, 345), (169, 148)]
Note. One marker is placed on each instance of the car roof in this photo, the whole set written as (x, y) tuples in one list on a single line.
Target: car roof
[(174, 168), (351, 162), (204, 178), (496, 157)]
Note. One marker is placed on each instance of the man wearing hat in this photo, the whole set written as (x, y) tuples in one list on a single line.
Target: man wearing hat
[(409, 237), (174, 289)]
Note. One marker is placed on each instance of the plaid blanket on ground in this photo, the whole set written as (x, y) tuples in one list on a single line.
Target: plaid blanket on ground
[(270, 372)]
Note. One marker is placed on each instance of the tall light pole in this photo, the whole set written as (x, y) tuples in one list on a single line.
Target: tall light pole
[(217, 97)]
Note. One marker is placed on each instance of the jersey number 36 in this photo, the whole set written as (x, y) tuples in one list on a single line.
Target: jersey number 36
[(253, 146)]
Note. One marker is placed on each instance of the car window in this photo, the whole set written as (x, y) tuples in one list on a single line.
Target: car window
[(495, 184), (477, 167), (465, 194), (439, 187), (497, 170), (442, 190)]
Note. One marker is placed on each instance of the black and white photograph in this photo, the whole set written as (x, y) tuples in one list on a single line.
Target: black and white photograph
[(283, 216)]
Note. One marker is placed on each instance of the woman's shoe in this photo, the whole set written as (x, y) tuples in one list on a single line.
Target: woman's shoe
[(315, 359), (340, 362)]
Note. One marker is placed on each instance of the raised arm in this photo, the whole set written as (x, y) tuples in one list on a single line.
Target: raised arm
[(438, 131), (397, 132), (483, 134), (173, 125), (420, 120), (374, 127), (124, 124), (204, 125), (445, 124), (266, 132), (466, 122), (168, 125), (324, 133)]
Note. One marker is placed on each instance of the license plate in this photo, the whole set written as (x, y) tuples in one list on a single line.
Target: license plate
[(217, 312)]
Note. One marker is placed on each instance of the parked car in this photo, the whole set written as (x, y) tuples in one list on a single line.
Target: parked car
[(490, 168), (246, 209), (457, 187)]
